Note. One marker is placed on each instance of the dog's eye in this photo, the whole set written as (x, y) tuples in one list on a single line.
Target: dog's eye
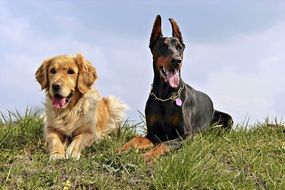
[(53, 71), (164, 47), (70, 71), (179, 47)]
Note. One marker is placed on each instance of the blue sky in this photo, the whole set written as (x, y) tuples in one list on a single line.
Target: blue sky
[(234, 49)]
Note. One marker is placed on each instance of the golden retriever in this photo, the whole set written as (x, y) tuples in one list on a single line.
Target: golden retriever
[(74, 110)]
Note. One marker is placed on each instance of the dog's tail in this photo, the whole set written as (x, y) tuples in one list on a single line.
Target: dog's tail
[(223, 119), (116, 110), (112, 116)]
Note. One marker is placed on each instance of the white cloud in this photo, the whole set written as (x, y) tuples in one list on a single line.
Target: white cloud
[(23, 51), (12, 30), (243, 75), (248, 68), (119, 67)]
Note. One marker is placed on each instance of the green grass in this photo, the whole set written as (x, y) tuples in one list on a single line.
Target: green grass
[(251, 158)]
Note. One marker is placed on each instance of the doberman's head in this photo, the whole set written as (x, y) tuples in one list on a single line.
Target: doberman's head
[(167, 53)]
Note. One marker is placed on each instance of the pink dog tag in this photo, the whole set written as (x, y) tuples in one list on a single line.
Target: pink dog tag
[(178, 102)]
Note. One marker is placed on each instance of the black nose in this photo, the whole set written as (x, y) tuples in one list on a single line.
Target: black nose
[(176, 61), (56, 87)]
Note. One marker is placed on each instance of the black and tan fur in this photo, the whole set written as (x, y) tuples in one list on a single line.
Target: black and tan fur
[(170, 121)]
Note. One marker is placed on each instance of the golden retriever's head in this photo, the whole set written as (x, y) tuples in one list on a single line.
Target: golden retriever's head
[(65, 77)]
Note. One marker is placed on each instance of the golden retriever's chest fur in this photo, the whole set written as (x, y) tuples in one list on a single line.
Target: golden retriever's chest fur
[(76, 115), (80, 117)]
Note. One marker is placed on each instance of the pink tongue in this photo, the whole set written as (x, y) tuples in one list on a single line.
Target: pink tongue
[(58, 102), (173, 79)]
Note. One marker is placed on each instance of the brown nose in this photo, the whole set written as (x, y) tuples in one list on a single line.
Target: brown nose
[(56, 87)]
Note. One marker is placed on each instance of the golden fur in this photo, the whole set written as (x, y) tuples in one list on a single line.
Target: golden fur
[(74, 110)]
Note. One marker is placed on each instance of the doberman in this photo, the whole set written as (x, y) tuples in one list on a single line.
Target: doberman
[(174, 110)]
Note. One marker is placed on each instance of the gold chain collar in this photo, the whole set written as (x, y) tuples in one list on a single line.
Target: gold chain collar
[(174, 96)]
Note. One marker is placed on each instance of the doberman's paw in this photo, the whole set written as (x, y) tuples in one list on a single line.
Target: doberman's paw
[(149, 157), (138, 143), (156, 152), (123, 149)]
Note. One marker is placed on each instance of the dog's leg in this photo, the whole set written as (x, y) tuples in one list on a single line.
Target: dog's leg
[(138, 143), (78, 143), (221, 118), (55, 146), (165, 147), (156, 152)]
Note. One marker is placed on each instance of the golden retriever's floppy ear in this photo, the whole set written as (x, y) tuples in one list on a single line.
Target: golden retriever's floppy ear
[(42, 74), (87, 74)]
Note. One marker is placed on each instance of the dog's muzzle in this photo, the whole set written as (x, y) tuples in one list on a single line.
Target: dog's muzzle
[(171, 77), (59, 101)]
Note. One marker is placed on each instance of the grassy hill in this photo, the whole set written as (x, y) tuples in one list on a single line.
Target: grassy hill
[(237, 159)]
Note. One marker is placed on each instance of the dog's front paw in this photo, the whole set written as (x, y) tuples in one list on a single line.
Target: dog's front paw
[(72, 151), (123, 149), (156, 152), (56, 156), (138, 143), (74, 155), (148, 157)]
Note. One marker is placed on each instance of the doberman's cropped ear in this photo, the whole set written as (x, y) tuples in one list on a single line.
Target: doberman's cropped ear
[(42, 74), (156, 31), (176, 31), (87, 74)]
